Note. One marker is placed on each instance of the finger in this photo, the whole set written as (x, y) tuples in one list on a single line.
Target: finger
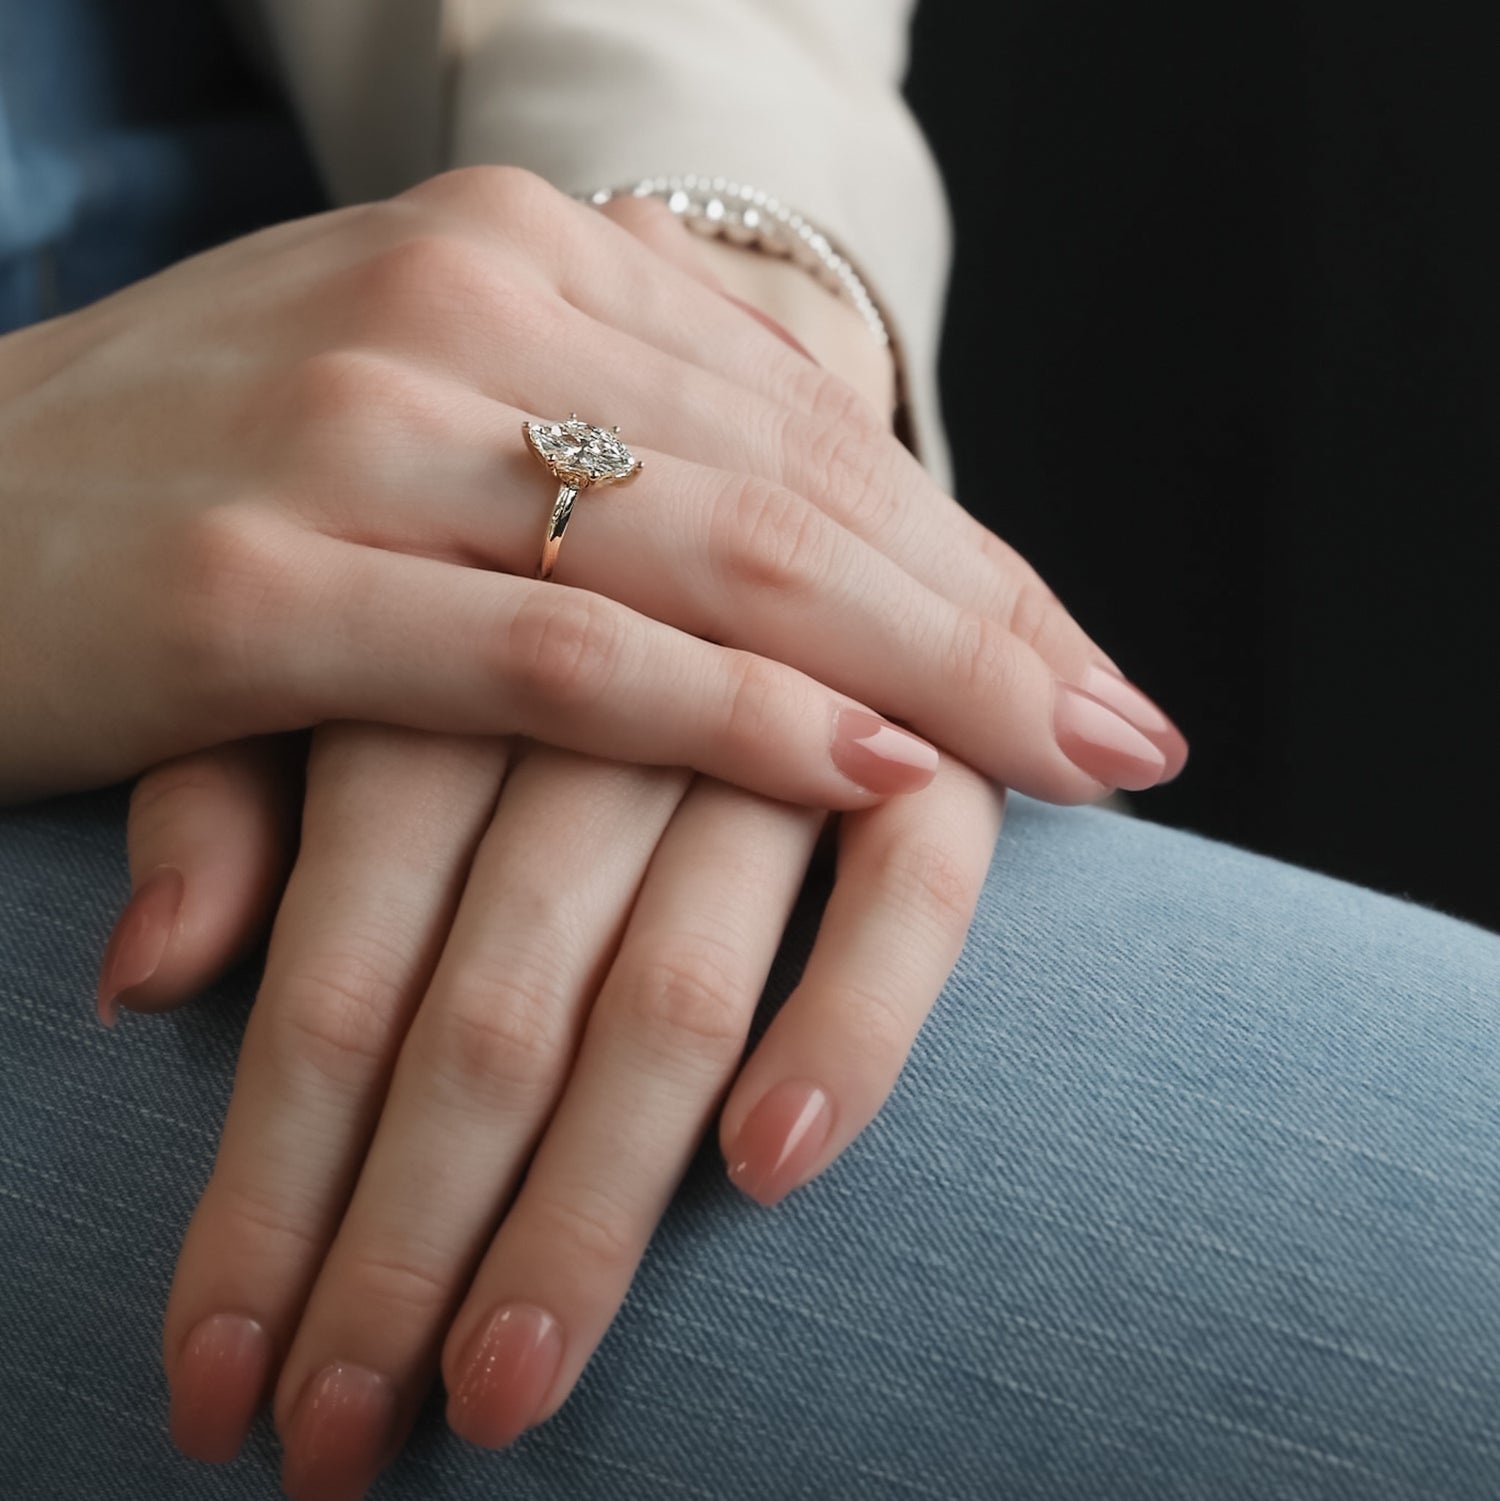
[(652, 223), (391, 819), (661, 1042), (619, 282), (478, 1077), (721, 555), (211, 838), (408, 640), (909, 878)]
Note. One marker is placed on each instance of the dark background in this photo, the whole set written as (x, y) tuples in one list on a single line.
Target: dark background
[(1221, 359)]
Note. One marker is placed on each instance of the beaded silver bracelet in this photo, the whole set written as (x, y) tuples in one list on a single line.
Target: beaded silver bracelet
[(748, 216)]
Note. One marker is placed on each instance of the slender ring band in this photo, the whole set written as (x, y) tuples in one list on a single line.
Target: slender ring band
[(577, 455)]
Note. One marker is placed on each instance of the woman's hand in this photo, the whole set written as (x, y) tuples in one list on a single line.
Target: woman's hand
[(494, 961), (272, 486)]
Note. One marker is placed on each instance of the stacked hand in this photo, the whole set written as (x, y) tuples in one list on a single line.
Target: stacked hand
[(284, 485)]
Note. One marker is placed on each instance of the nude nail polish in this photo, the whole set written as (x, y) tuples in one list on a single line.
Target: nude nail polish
[(139, 940), (508, 1371), (1131, 704), (220, 1378), (1097, 740), (780, 1141), (339, 1435), (878, 755)]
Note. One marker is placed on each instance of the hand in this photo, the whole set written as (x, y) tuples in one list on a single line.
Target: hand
[(272, 486), (461, 990)]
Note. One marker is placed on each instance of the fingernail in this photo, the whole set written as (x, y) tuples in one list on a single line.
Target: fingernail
[(769, 322), (1128, 700), (510, 1369), (878, 756), (779, 1141), (340, 1431), (220, 1377), (139, 939), (1110, 749)]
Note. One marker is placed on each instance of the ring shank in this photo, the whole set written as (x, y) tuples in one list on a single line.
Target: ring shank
[(557, 524)]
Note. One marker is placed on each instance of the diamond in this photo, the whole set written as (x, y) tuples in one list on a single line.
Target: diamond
[(580, 454)]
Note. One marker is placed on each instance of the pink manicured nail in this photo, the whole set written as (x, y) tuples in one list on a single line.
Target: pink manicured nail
[(139, 940), (1110, 749), (878, 756), (779, 1141), (340, 1432), (220, 1377), (511, 1366), (1128, 700), (769, 322)]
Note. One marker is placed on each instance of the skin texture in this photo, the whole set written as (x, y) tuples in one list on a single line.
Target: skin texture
[(301, 494), (495, 972)]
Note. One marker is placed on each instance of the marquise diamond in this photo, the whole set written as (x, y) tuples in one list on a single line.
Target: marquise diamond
[(579, 453)]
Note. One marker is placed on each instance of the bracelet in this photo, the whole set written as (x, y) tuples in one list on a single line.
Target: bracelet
[(747, 216)]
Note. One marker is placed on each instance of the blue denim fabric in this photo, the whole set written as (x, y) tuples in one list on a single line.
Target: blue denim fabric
[(1191, 1189), (131, 135)]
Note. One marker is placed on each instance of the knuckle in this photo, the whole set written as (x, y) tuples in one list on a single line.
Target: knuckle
[(394, 1278), (770, 538), (517, 207), (265, 1219), (500, 185), (982, 660), (417, 282), (689, 998), (563, 646), (227, 577), (497, 1041), (586, 1226), (1030, 608), (852, 470), (874, 1029), (1033, 614), (755, 718), (923, 878), (833, 402), (340, 1016)]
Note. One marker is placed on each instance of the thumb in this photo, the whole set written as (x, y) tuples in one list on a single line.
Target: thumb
[(211, 838)]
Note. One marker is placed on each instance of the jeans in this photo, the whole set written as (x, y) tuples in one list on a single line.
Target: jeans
[(131, 134), (1190, 1189)]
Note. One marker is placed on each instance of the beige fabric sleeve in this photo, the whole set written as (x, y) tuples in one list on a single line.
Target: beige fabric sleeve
[(799, 97)]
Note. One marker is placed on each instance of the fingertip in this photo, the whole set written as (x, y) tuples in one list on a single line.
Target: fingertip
[(1112, 688), (780, 1140), (215, 833), (139, 940), (879, 756)]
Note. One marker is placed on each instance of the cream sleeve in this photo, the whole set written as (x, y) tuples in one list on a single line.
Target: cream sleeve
[(799, 97)]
